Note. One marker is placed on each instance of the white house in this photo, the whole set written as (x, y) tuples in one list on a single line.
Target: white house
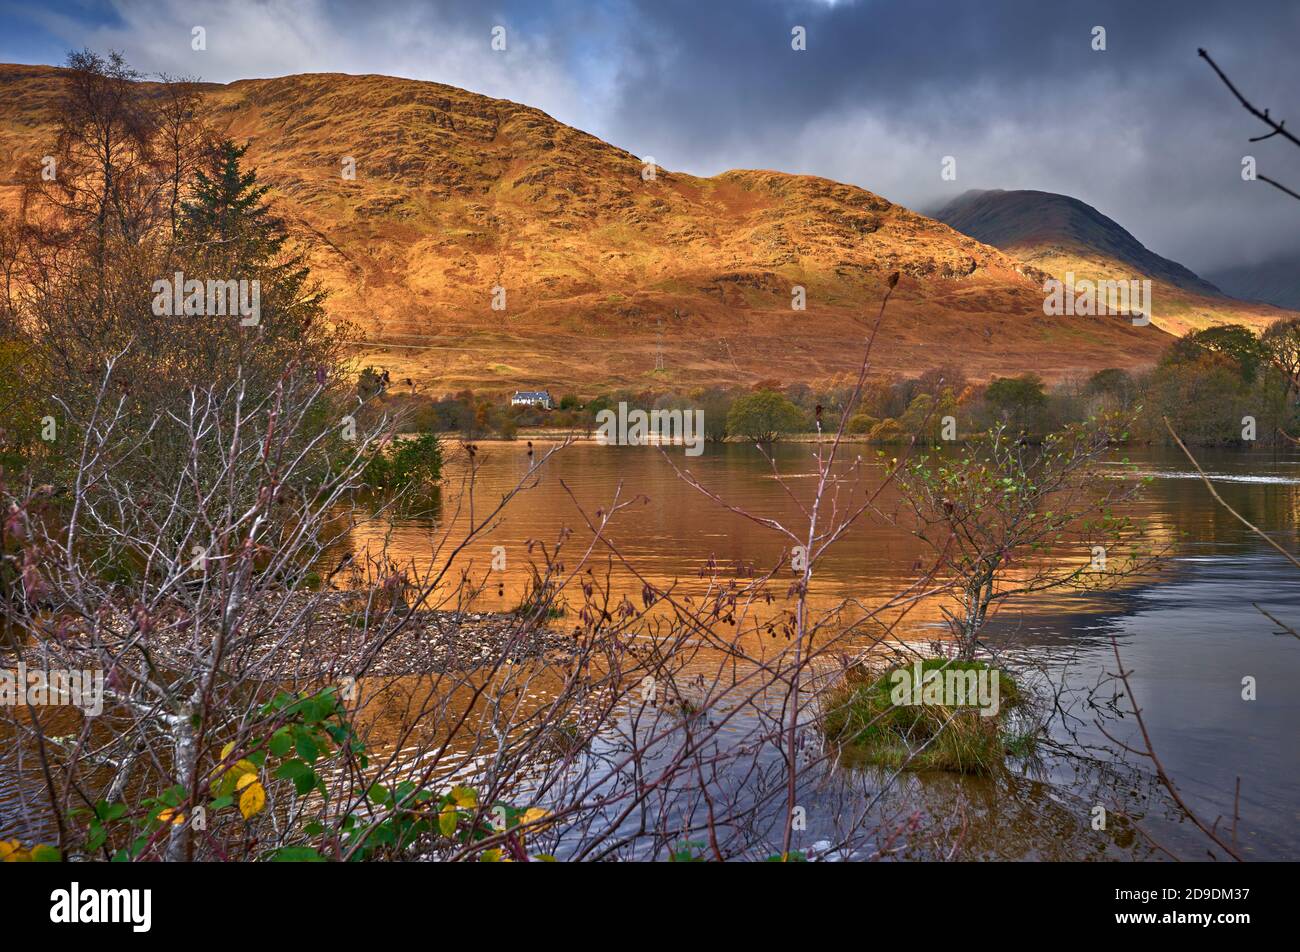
[(535, 398)]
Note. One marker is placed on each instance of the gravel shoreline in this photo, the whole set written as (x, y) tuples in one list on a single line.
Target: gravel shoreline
[(430, 642), (331, 640)]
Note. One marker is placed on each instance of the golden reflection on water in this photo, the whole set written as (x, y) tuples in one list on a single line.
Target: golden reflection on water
[(681, 542)]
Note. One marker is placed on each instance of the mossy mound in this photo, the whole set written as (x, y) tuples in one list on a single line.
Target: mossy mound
[(895, 718)]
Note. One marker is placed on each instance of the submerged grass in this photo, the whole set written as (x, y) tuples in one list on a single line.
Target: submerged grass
[(862, 716)]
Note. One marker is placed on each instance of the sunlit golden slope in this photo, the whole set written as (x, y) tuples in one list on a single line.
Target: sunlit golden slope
[(456, 193)]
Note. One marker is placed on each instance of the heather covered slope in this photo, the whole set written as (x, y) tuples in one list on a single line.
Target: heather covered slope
[(456, 193)]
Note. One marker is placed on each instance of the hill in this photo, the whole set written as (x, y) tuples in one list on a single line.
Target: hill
[(1060, 234), (604, 266), (1276, 281)]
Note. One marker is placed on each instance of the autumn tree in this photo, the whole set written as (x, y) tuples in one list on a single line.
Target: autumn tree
[(1235, 342), (1281, 342)]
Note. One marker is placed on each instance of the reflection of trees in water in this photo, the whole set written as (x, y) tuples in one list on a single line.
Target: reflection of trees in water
[(1275, 507), (1013, 817)]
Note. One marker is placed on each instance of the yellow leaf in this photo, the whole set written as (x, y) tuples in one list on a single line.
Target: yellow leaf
[(464, 797), (490, 856), (253, 796), (12, 852), (171, 815), (531, 821), (534, 815), (447, 820), (226, 783), (227, 750)]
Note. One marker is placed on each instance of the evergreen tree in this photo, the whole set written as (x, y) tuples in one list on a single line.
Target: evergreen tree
[(227, 219), (228, 231)]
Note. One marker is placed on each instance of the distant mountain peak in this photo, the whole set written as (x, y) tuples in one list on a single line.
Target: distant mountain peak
[(1275, 281), (1039, 226)]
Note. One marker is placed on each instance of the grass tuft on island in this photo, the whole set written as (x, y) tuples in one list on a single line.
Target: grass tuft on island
[(869, 714)]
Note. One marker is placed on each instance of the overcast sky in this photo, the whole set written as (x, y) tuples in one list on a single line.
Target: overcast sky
[(885, 89)]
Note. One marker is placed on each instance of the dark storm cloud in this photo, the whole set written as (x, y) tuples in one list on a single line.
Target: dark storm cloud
[(1012, 90)]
